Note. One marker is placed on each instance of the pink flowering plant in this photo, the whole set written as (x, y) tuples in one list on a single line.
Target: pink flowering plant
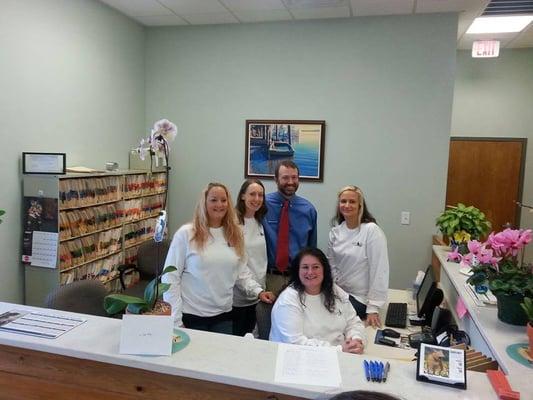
[(497, 261)]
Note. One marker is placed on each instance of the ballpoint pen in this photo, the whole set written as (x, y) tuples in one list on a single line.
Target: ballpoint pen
[(381, 372), (386, 371), (373, 371), (367, 370)]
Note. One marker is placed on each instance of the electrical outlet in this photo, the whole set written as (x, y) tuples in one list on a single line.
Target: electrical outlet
[(405, 218)]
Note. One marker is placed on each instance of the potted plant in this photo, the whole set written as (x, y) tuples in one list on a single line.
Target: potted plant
[(2, 212), (497, 261), (527, 305), (151, 303), (461, 223)]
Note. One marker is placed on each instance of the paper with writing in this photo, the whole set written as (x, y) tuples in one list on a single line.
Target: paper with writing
[(44, 249), (146, 335), (307, 365)]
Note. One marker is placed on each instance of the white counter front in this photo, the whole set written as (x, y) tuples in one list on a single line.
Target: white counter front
[(231, 360)]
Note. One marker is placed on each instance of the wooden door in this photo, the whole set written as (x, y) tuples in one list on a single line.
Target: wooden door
[(487, 173)]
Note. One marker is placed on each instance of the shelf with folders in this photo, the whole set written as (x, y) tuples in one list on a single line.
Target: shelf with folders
[(101, 219)]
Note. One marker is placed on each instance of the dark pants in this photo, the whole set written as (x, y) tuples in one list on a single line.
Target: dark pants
[(221, 323), (243, 319), (360, 308)]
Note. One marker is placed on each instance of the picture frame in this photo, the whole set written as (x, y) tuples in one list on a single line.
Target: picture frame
[(270, 141), (44, 163)]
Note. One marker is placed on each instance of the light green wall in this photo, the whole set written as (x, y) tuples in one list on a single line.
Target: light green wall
[(383, 85), (494, 98), (72, 81)]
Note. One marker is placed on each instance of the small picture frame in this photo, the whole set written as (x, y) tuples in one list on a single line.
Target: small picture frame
[(44, 163)]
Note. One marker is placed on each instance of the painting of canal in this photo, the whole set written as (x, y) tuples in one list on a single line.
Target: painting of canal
[(269, 142)]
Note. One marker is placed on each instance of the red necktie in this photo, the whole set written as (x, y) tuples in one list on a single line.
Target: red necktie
[(282, 251)]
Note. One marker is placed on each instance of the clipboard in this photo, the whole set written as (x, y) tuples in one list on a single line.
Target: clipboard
[(442, 366)]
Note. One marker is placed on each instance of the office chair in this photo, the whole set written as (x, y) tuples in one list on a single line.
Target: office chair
[(86, 297), (262, 314), (147, 256)]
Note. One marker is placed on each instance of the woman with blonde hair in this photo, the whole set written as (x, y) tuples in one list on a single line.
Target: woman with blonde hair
[(357, 251), (210, 260)]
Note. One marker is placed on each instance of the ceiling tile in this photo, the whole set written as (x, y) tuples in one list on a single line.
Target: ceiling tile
[(210, 18), (291, 4), (138, 8), (253, 5), (381, 7), (321, 12), (188, 7), (161, 20), (435, 6), (523, 39), (263, 15)]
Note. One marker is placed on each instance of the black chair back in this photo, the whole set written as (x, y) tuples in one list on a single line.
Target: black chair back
[(262, 314), (86, 297)]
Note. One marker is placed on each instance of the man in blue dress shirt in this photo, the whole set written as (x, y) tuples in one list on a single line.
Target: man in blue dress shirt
[(302, 219)]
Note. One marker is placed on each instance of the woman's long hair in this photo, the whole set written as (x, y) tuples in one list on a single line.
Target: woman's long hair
[(240, 207), (200, 223), (327, 284), (364, 214)]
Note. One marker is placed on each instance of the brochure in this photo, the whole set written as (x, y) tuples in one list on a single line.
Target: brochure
[(38, 324), (441, 365)]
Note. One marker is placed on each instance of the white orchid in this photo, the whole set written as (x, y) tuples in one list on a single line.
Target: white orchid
[(163, 132)]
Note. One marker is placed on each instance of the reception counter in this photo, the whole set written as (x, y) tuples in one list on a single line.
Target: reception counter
[(488, 334), (84, 363)]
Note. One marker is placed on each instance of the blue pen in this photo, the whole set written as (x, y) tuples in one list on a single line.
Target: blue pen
[(372, 371), (367, 370), (381, 367)]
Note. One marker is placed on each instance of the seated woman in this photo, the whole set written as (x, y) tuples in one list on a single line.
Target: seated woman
[(357, 251), (210, 260), (314, 311)]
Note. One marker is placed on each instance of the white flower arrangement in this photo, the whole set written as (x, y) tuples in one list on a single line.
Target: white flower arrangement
[(162, 133)]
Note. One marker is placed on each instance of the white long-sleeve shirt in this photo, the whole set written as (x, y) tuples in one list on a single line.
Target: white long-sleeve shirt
[(312, 324), (360, 263), (256, 260), (204, 280)]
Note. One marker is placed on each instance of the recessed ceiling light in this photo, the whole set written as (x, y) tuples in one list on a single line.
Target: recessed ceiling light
[(500, 24)]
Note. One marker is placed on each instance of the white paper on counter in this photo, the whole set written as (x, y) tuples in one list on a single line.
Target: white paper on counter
[(307, 365), (146, 335)]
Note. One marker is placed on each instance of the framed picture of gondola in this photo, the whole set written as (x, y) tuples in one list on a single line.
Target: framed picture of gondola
[(270, 141)]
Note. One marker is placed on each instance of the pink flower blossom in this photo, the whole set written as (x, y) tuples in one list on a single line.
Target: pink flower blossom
[(454, 255)]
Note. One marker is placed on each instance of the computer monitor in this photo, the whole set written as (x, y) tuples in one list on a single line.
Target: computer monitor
[(428, 296)]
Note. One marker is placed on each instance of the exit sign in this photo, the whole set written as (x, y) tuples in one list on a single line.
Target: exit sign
[(486, 48)]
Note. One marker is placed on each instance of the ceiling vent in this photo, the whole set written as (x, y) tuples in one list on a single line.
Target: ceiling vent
[(508, 7)]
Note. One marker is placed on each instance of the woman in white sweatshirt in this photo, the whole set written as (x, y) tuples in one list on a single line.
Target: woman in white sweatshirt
[(250, 209), (357, 252), (210, 260), (314, 311)]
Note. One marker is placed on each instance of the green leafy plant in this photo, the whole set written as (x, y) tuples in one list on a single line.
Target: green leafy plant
[(461, 223), (116, 303), (527, 305), (2, 212)]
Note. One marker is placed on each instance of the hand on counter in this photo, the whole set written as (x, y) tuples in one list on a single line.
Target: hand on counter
[(354, 346)]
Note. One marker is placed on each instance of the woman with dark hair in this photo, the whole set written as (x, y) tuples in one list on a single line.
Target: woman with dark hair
[(314, 311), (357, 251), (364, 395), (250, 209)]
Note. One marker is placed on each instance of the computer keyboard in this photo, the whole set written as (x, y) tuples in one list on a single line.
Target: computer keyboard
[(396, 315)]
